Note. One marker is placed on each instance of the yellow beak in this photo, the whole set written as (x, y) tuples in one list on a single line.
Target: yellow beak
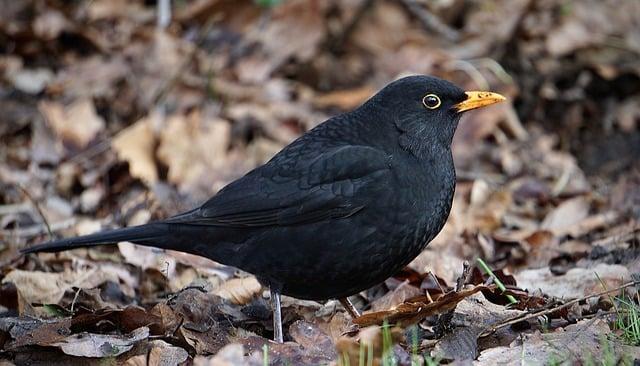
[(477, 99)]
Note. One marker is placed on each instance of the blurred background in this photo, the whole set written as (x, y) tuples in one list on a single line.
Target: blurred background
[(116, 112)]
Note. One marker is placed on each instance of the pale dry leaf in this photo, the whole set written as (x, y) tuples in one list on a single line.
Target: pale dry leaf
[(50, 24), (568, 214), (135, 145), (147, 257), (191, 146), (577, 282), (101, 345), (118, 9), (230, 355), (94, 76), (576, 344), (31, 81), (49, 288), (77, 123), (239, 290), (165, 354)]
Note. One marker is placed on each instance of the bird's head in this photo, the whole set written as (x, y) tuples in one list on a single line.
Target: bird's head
[(427, 109)]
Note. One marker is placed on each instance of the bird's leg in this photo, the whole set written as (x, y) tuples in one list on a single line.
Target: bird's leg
[(277, 315), (348, 306)]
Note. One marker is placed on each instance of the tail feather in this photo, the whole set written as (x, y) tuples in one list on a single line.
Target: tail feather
[(149, 234)]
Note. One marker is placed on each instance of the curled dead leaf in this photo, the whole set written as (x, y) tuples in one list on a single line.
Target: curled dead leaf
[(416, 309)]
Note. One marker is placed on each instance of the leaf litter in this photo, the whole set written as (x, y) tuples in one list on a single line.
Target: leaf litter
[(110, 121)]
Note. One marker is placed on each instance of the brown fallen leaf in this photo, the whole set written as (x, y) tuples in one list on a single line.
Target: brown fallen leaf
[(193, 146), (135, 145), (49, 288), (371, 340), (393, 298), (239, 290), (295, 30), (163, 353), (76, 124), (312, 339), (416, 309), (472, 315)]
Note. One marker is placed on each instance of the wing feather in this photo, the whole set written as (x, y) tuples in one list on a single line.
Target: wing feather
[(310, 190)]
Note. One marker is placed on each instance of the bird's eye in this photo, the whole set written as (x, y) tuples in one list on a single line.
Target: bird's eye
[(431, 101)]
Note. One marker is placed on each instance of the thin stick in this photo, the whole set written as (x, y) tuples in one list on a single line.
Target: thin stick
[(466, 271), (536, 314), (37, 206), (348, 306), (429, 21)]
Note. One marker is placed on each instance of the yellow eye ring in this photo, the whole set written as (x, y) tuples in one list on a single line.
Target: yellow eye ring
[(431, 101)]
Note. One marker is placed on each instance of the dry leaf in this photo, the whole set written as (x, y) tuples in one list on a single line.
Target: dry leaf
[(239, 290), (369, 338), (49, 288), (575, 283), (312, 338), (393, 298), (100, 345), (31, 81), (147, 257), (77, 124), (566, 215), (416, 309), (580, 343), (163, 353), (295, 29), (192, 147), (136, 144)]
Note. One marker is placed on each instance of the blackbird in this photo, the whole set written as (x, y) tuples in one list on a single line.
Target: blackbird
[(340, 209)]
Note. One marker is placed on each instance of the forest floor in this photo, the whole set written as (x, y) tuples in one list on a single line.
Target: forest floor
[(114, 114)]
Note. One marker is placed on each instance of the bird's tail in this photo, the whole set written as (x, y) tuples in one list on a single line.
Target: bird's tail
[(150, 235)]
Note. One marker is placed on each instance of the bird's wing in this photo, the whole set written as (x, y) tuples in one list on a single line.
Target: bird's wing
[(298, 188)]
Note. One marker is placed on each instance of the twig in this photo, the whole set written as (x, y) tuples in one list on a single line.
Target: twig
[(430, 21), (444, 321), (437, 282), (536, 314), (466, 272), (37, 206), (471, 70), (335, 43), (34, 230)]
